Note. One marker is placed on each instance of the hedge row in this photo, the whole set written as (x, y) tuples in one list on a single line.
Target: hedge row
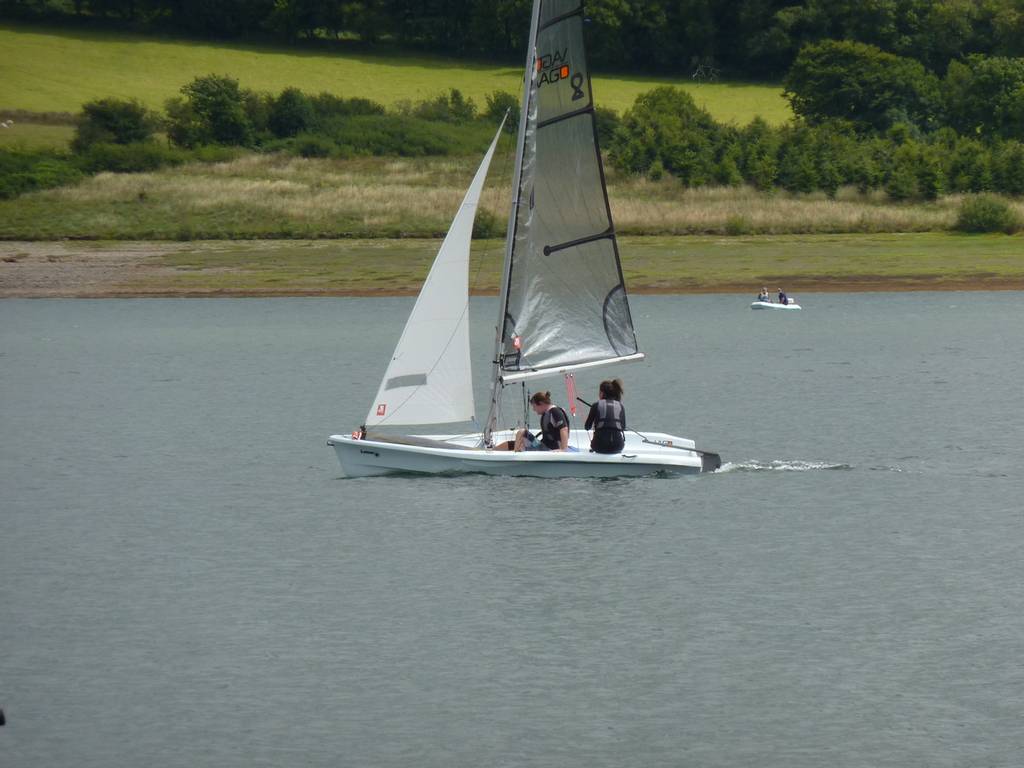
[(667, 133)]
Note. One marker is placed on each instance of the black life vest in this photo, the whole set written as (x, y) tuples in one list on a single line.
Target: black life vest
[(551, 423), (611, 416)]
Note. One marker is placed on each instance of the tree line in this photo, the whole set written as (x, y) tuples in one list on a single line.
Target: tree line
[(872, 90), (731, 38), (666, 134)]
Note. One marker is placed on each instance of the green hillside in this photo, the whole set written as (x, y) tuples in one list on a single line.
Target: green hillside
[(45, 69)]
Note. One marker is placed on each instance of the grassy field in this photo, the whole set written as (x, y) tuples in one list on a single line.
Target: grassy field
[(32, 136), (275, 196), (44, 69), (801, 264)]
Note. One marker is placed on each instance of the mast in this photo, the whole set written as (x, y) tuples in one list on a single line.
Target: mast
[(529, 76), (563, 305)]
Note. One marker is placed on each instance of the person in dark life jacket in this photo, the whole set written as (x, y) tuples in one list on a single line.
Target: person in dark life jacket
[(783, 299), (554, 428), (607, 418)]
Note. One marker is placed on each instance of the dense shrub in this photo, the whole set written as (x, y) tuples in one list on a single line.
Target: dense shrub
[(969, 166), (759, 145), (113, 121), (290, 113), (488, 226), (405, 136), (901, 183), (500, 103), (863, 84), (257, 108), (129, 158), (1008, 168), (213, 111), (326, 105), (215, 153), (608, 123), (931, 181), (727, 169), (985, 96), (666, 125), (308, 145), (27, 171), (987, 213), (451, 107)]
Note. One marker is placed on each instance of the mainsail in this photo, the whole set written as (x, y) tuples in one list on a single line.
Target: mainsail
[(564, 304), (429, 380)]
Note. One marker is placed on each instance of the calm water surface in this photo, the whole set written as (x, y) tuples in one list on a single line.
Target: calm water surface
[(186, 580)]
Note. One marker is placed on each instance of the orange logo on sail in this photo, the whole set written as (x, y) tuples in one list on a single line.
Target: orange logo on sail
[(553, 67)]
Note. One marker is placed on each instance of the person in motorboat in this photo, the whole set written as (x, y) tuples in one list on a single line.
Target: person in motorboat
[(554, 428), (763, 295), (783, 299), (607, 418)]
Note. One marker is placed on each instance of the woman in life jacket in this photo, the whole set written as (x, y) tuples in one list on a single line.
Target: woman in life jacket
[(607, 418), (554, 428)]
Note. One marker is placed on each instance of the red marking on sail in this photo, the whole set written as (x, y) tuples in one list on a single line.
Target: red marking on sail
[(517, 342), (382, 409), (564, 72)]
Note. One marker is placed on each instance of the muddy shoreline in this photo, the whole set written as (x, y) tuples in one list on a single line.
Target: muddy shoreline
[(65, 269)]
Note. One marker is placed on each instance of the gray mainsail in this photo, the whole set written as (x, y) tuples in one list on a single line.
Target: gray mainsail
[(564, 302)]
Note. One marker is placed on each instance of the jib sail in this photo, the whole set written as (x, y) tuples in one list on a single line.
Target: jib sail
[(429, 380)]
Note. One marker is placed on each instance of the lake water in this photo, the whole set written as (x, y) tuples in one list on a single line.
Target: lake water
[(186, 580)]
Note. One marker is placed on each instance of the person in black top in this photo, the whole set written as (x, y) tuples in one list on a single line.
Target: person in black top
[(783, 299), (554, 428), (607, 418)]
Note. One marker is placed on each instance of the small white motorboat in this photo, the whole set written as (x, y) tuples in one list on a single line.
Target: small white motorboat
[(790, 304)]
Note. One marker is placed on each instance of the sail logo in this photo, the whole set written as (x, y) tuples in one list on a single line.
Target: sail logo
[(554, 68), (382, 409)]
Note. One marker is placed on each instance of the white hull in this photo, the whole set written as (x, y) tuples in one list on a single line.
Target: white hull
[(362, 458), (773, 305)]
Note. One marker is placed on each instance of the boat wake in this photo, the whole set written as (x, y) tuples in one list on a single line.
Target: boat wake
[(779, 466)]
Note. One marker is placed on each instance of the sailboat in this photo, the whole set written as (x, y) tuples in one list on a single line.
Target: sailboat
[(563, 307)]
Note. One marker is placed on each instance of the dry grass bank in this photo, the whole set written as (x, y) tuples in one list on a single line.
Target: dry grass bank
[(275, 196)]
